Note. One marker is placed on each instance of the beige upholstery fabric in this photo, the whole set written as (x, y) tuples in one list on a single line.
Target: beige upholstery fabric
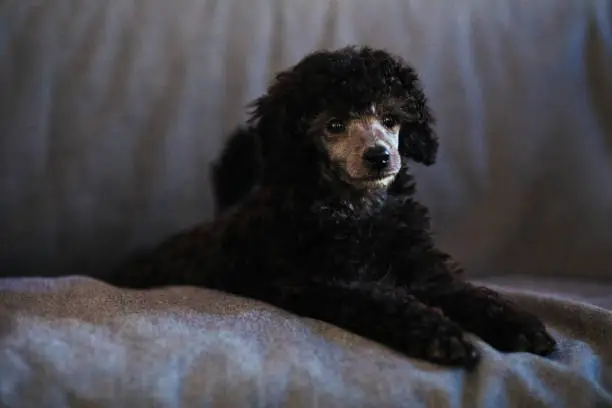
[(112, 109)]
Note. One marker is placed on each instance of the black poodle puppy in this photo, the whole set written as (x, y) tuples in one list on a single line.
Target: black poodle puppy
[(324, 223)]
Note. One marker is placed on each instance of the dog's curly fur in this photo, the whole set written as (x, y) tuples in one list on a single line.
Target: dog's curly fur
[(299, 232)]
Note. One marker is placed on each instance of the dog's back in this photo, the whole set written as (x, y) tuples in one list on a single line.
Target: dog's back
[(237, 170)]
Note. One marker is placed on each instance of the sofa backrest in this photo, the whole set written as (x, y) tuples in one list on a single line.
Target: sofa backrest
[(111, 111)]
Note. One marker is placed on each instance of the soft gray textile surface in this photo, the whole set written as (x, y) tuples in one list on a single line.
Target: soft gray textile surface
[(110, 111), (76, 342)]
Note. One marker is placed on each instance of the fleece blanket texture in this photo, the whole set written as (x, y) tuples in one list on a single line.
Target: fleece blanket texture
[(75, 342)]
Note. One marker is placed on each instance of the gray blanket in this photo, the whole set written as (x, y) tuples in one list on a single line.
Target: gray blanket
[(76, 342)]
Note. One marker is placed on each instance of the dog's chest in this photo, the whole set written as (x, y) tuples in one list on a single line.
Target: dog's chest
[(344, 250)]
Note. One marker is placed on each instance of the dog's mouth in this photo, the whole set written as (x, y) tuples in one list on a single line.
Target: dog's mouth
[(376, 181)]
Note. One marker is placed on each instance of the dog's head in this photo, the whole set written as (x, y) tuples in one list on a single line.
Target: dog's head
[(352, 116)]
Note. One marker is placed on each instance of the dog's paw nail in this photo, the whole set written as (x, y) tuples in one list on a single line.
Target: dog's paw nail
[(452, 351), (456, 349), (543, 343), (473, 359), (435, 351), (522, 343)]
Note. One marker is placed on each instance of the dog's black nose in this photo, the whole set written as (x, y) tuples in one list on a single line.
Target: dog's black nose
[(377, 157)]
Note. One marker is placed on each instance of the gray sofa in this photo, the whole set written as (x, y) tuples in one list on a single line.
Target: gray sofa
[(111, 111)]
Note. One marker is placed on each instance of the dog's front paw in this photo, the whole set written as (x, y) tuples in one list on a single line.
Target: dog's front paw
[(511, 329), (441, 342), (530, 339), (498, 321), (450, 350)]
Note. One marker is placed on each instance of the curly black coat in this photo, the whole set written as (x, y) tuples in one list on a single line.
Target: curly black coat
[(299, 237)]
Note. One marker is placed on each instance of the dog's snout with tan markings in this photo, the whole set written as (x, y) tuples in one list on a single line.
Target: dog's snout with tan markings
[(364, 149)]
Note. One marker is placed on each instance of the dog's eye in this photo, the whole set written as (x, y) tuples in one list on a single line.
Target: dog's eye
[(389, 121), (335, 126)]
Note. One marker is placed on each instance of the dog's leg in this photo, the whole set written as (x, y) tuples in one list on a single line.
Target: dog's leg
[(384, 314), (486, 313)]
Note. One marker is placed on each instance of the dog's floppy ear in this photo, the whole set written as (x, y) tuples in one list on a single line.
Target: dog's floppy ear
[(279, 119), (248, 151), (418, 140), (237, 170), (270, 117)]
